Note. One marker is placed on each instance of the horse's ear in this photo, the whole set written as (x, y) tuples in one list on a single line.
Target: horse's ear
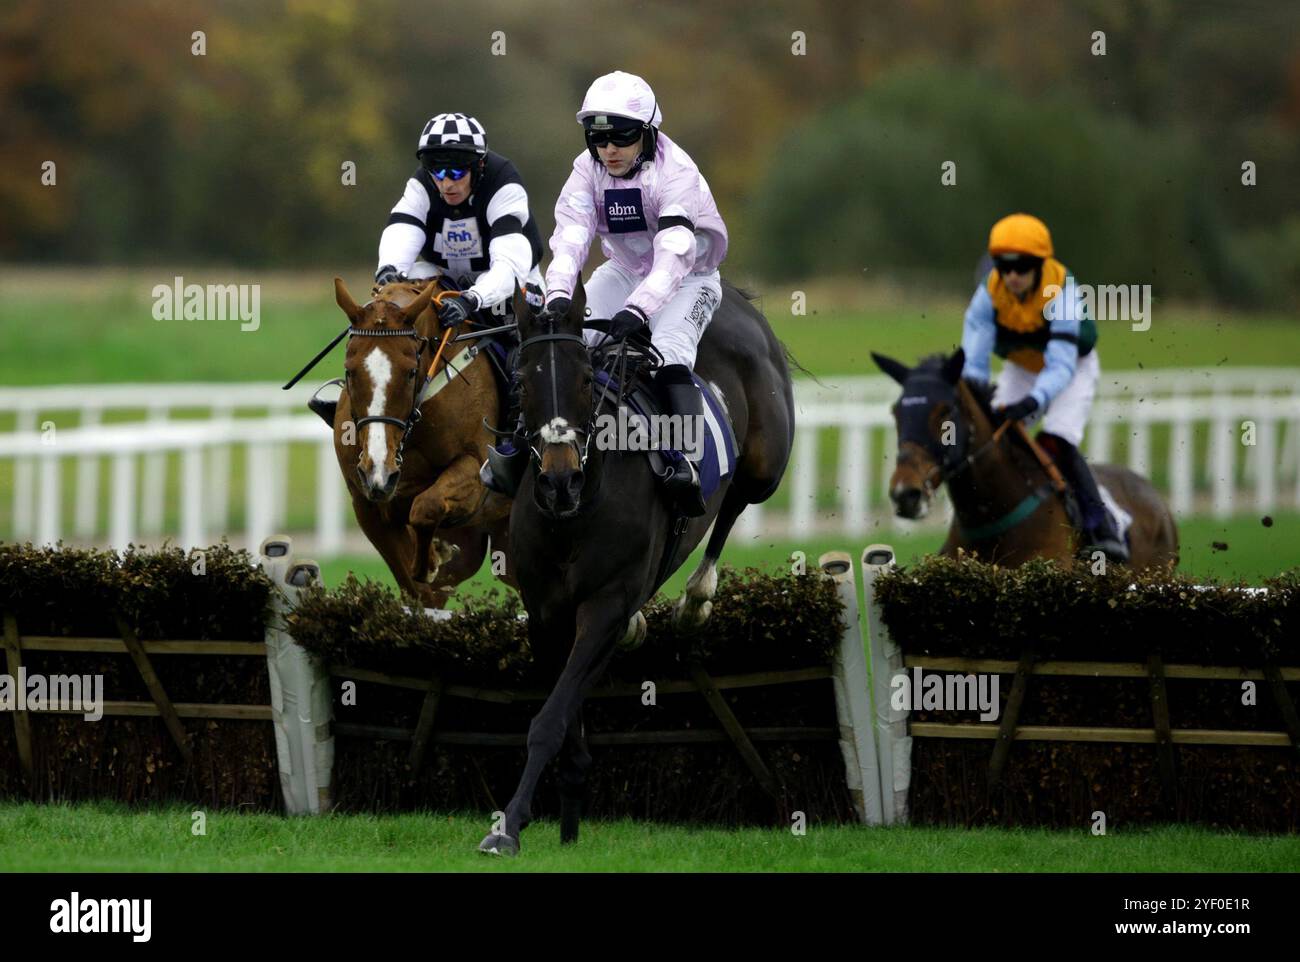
[(345, 300), (520, 303), (895, 369), (953, 365), (578, 303), (417, 306)]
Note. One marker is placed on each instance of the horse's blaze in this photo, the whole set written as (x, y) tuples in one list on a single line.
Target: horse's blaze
[(380, 369)]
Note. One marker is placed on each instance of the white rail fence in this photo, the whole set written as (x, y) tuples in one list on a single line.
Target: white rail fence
[(1242, 421)]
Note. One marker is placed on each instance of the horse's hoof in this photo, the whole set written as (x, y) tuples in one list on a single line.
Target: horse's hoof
[(499, 845), (691, 615), (635, 634)]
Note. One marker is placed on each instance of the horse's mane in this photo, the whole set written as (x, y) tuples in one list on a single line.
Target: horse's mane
[(981, 391)]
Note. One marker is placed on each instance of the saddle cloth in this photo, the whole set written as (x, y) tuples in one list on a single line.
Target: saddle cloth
[(719, 458), (1123, 520)]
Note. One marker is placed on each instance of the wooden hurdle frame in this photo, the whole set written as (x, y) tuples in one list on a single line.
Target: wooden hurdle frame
[(895, 730), (875, 739), (305, 684), (301, 708)]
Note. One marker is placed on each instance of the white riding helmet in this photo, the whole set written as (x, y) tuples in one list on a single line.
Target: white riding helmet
[(622, 95), (625, 102)]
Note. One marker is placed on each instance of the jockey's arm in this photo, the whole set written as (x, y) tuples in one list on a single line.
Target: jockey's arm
[(978, 335), (510, 256), (674, 247), (1061, 356), (403, 237), (575, 226)]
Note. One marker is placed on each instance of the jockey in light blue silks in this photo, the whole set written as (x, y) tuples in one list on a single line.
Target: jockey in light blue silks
[(1029, 313)]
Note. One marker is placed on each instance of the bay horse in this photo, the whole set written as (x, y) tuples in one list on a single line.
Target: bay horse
[(1004, 509), (412, 469), (590, 531)]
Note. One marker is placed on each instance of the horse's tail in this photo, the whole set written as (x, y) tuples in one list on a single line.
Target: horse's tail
[(794, 363), (790, 359)]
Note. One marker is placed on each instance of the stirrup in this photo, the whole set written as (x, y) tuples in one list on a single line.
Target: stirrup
[(1112, 546), (324, 409), (686, 493), (503, 472)]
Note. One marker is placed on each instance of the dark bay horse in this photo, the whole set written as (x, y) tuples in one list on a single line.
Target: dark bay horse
[(590, 531), (411, 469), (1003, 507)]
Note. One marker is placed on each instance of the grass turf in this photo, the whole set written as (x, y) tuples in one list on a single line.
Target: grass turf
[(1253, 552), (112, 838), (100, 332)]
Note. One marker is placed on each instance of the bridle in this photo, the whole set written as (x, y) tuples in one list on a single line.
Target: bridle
[(946, 466), (619, 364), (408, 424), (550, 338)]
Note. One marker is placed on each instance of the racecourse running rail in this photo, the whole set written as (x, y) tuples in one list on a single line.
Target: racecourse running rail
[(1214, 412)]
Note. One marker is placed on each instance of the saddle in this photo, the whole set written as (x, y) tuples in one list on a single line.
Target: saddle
[(625, 375)]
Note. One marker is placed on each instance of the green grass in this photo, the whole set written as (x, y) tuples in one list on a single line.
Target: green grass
[(1254, 552), (112, 838), (840, 342), (105, 332)]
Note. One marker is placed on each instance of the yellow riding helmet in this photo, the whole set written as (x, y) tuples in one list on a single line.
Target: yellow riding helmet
[(1020, 234)]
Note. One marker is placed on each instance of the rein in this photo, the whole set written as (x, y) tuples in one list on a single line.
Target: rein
[(550, 338), (939, 474), (408, 423), (615, 365)]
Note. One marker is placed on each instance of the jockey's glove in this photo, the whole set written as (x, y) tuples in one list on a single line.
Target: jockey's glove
[(626, 322), (1021, 409), (456, 310), (558, 306), (386, 275)]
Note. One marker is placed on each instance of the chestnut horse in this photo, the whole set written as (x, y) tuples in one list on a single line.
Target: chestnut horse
[(1004, 508), (410, 439)]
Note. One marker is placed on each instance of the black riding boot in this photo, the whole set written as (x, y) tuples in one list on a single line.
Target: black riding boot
[(679, 395), (1099, 529), (507, 460)]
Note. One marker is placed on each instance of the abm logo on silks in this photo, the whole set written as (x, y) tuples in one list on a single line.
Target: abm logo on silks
[(623, 211)]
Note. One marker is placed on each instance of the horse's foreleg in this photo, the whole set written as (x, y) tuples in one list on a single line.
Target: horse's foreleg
[(600, 623), (573, 763), (393, 542), (447, 503)]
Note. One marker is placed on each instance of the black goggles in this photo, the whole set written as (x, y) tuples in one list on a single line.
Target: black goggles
[(1017, 263), (625, 137), (443, 167)]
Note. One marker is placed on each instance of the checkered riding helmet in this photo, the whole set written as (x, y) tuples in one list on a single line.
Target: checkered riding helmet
[(455, 140)]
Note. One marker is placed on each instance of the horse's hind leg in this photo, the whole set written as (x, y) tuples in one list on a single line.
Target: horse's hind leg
[(696, 604), (573, 762)]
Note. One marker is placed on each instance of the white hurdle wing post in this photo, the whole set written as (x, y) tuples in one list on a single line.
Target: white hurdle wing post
[(893, 743), (853, 695), (301, 706)]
